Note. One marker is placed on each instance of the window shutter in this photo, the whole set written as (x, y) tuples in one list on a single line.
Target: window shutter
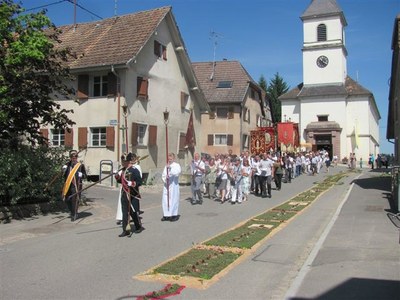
[(112, 84), (230, 140), (157, 49), (152, 135), (182, 141), (210, 140), (82, 137), (134, 134), (110, 137), (44, 133), (183, 102), (164, 52), (69, 138), (230, 113), (142, 88), (83, 87)]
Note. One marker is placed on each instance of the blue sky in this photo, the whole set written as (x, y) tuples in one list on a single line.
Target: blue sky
[(265, 36)]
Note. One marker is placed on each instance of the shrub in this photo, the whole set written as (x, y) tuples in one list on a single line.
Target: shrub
[(26, 173)]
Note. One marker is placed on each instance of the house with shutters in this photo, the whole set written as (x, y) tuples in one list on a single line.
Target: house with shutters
[(237, 106), (129, 70)]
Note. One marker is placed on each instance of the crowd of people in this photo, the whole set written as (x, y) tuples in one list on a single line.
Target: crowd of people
[(231, 178), (222, 177)]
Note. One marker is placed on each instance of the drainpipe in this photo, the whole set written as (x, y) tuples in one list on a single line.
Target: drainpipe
[(119, 108)]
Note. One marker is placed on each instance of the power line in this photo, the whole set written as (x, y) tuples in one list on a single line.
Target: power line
[(85, 9), (38, 7), (70, 1)]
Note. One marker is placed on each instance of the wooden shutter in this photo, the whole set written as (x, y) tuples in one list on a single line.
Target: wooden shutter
[(142, 88), (157, 49), (164, 53), (210, 140), (82, 137), (152, 135), (44, 133), (182, 141), (230, 113), (134, 134), (83, 87), (110, 137), (230, 140), (69, 138), (112, 84)]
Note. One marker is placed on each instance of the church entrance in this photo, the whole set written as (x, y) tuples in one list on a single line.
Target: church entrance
[(324, 142)]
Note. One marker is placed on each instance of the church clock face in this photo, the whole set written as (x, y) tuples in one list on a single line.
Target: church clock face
[(322, 61)]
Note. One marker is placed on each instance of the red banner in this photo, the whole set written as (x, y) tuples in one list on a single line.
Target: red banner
[(285, 134), (296, 137), (262, 140), (190, 134)]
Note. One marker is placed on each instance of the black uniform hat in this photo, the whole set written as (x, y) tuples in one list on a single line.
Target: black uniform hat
[(128, 156), (73, 153)]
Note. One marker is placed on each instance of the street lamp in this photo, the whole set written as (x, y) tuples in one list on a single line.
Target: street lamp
[(166, 120), (125, 128)]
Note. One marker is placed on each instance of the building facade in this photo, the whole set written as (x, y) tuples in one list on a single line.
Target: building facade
[(129, 70)]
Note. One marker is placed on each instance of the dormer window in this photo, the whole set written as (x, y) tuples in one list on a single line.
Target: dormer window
[(321, 33), (225, 84)]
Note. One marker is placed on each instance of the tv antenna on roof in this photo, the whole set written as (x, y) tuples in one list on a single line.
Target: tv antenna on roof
[(214, 37)]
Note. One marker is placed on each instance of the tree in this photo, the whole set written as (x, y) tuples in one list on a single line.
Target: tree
[(33, 74), (277, 87)]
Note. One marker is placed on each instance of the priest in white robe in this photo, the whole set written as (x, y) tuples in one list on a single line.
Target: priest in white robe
[(171, 192)]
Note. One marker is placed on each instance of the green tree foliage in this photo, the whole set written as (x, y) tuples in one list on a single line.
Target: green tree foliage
[(33, 75), (30, 175), (277, 87)]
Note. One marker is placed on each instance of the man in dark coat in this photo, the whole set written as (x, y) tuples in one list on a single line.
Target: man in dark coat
[(130, 180), (74, 173)]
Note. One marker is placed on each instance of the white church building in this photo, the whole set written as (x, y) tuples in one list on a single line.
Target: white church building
[(334, 112)]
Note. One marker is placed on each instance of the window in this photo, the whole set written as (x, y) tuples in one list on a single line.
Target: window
[(245, 141), (184, 100), (220, 139), (225, 84), (141, 134), (322, 118), (160, 50), (246, 115), (321, 33), (98, 137), (142, 88), (222, 112), (100, 86), (57, 137)]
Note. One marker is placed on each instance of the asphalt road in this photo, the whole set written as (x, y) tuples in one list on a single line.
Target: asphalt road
[(50, 257)]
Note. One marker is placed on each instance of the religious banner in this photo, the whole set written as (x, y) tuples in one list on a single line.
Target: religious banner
[(190, 141), (262, 140), (296, 136), (285, 134)]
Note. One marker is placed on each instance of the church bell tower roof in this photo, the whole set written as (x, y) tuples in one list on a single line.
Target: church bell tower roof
[(322, 9)]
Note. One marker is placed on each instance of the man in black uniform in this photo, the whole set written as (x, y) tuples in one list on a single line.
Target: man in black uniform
[(74, 173), (130, 180)]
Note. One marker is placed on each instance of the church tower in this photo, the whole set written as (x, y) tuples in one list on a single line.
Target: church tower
[(324, 49), (333, 112)]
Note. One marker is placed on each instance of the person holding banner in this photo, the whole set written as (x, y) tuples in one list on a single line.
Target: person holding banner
[(171, 193), (74, 173)]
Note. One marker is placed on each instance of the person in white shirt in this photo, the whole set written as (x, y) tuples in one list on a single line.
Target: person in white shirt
[(197, 168), (266, 168)]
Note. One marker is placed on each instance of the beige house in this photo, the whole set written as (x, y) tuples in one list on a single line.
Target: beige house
[(237, 105), (135, 63)]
